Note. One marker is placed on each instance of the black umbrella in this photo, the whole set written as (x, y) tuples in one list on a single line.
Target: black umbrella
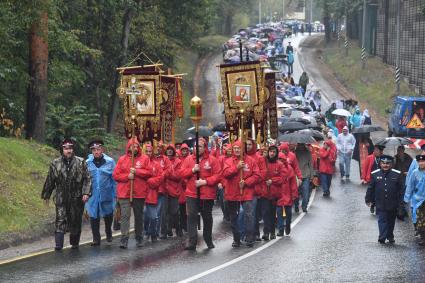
[(220, 127), (367, 129), (292, 126), (318, 136), (204, 131), (393, 141), (297, 138)]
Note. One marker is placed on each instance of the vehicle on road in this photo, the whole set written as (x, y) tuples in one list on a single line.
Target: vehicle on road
[(407, 117)]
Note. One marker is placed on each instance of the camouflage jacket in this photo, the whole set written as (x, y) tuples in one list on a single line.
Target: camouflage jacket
[(68, 179)]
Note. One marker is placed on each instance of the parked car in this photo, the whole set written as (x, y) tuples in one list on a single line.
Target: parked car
[(407, 111)]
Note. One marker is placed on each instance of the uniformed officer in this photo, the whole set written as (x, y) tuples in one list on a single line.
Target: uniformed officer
[(384, 190)]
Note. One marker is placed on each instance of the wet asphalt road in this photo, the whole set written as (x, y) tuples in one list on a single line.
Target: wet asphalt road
[(336, 241)]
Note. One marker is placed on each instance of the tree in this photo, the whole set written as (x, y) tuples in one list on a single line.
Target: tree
[(38, 62)]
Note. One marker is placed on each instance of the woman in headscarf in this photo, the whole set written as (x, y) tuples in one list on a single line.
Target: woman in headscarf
[(366, 120)]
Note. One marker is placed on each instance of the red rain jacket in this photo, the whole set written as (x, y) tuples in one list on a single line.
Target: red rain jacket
[(327, 164)]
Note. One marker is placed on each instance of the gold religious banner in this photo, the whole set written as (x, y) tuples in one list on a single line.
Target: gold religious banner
[(140, 90), (242, 93)]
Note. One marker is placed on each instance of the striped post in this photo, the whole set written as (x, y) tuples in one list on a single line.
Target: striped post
[(346, 45), (397, 78), (338, 35), (363, 55)]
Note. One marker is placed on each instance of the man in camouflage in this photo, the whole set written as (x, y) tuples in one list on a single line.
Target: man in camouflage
[(69, 178)]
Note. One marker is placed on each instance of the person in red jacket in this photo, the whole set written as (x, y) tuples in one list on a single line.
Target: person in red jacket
[(292, 159), (165, 163), (154, 182), (288, 196), (326, 166), (184, 152), (371, 163), (209, 176), (239, 190), (271, 191), (124, 174), (227, 153), (173, 183), (340, 124)]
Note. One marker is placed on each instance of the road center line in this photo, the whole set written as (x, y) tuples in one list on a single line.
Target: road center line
[(247, 255)]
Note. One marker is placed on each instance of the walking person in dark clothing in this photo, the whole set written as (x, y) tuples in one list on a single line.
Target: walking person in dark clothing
[(69, 178)]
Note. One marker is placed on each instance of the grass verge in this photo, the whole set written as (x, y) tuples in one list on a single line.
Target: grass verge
[(23, 169), (374, 86)]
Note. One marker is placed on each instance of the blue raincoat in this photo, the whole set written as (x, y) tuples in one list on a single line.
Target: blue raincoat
[(356, 119), (415, 191), (102, 200)]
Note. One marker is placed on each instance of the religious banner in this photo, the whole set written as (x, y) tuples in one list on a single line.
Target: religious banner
[(168, 113), (179, 99), (140, 91), (242, 89), (270, 108)]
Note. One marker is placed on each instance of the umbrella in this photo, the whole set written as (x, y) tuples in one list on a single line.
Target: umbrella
[(283, 105), (393, 141), (220, 127), (292, 126), (367, 129), (297, 138), (341, 112), (204, 131), (318, 136)]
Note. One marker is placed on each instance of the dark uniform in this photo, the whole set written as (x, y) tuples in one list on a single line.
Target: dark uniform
[(384, 190)]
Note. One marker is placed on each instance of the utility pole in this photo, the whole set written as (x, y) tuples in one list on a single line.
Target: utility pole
[(363, 53), (397, 63), (311, 17), (346, 29), (283, 10)]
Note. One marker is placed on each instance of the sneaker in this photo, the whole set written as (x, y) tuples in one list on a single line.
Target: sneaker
[(236, 244), (280, 233)]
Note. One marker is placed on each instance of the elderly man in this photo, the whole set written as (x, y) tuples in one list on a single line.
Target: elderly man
[(385, 189), (345, 143), (102, 202), (69, 177)]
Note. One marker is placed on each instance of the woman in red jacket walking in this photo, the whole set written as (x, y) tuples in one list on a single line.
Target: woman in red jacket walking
[(326, 166), (123, 174), (209, 176), (240, 192)]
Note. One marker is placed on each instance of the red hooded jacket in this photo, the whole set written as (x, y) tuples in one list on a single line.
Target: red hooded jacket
[(367, 168), (251, 175), (143, 173), (173, 179), (289, 186), (292, 159), (165, 163), (273, 172), (182, 197), (327, 163), (210, 171), (154, 182), (261, 162)]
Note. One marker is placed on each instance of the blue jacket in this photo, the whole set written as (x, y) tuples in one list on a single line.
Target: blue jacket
[(102, 200), (290, 58), (356, 120), (415, 190)]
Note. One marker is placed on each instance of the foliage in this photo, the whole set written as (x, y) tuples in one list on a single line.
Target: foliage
[(75, 123), (11, 118)]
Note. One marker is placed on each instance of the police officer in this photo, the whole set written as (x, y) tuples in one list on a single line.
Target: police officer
[(385, 189)]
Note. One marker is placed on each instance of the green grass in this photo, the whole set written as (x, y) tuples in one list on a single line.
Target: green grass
[(374, 86), (210, 43), (23, 169)]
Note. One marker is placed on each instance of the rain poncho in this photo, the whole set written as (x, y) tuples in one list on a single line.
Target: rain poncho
[(356, 119), (102, 201), (415, 191)]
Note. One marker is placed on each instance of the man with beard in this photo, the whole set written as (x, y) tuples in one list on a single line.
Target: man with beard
[(209, 176), (240, 191), (102, 202), (69, 178), (124, 174)]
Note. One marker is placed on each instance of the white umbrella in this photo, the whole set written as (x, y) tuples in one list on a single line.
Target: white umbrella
[(284, 105), (341, 112)]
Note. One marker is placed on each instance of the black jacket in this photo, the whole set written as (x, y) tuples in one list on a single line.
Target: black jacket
[(385, 189)]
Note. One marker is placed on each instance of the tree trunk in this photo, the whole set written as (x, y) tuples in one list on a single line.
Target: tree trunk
[(37, 89), (228, 24), (113, 109)]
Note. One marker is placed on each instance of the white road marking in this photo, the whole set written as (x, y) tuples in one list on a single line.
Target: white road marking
[(247, 255)]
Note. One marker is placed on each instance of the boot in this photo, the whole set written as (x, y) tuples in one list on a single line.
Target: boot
[(124, 242), (108, 227), (265, 236), (95, 224), (74, 240), (59, 236)]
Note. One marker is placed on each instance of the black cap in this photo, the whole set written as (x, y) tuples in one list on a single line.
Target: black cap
[(420, 157), (68, 143), (96, 143), (386, 158)]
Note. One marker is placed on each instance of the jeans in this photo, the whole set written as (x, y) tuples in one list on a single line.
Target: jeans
[(305, 191), (248, 208), (206, 207), (287, 219), (325, 182), (151, 219), (162, 213), (138, 204), (241, 218), (386, 222), (344, 164)]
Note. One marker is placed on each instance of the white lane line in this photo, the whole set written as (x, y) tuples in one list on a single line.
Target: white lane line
[(254, 252)]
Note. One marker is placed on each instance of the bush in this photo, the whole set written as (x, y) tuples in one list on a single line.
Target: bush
[(76, 123), (11, 119)]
